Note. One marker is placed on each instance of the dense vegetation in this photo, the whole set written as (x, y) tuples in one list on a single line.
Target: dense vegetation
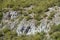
[(40, 6), (55, 32), (7, 34)]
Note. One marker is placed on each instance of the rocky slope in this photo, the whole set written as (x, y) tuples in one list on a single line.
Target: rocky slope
[(14, 20)]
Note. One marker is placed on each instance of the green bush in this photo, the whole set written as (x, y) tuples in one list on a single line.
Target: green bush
[(51, 15), (1, 15), (55, 28), (1, 33), (5, 30), (55, 36), (28, 18), (40, 5), (38, 17)]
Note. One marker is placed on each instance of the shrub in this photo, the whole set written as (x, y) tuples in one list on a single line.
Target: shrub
[(37, 17), (51, 15), (55, 28), (1, 33), (5, 30), (56, 36), (1, 15), (28, 18)]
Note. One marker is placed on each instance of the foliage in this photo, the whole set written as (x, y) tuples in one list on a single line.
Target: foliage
[(55, 32), (1, 33), (1, 15), (55, 28), (6, 29), (56, 36), (38, 17), (51, 15), (11, 35), (28, 18), (40, 6)]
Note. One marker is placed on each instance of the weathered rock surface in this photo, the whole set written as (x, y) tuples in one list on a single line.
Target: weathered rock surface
[(11, 20)]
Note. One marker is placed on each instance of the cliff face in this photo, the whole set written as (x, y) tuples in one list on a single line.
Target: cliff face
[(14, 20)]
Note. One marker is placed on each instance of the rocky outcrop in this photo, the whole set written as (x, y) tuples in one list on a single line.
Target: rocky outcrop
[(12, 20), (29, 27)]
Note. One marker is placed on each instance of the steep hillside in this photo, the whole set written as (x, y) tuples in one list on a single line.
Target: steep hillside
[(29, 20)]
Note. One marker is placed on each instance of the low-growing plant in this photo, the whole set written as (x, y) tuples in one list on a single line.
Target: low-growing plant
[(51, 15)]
